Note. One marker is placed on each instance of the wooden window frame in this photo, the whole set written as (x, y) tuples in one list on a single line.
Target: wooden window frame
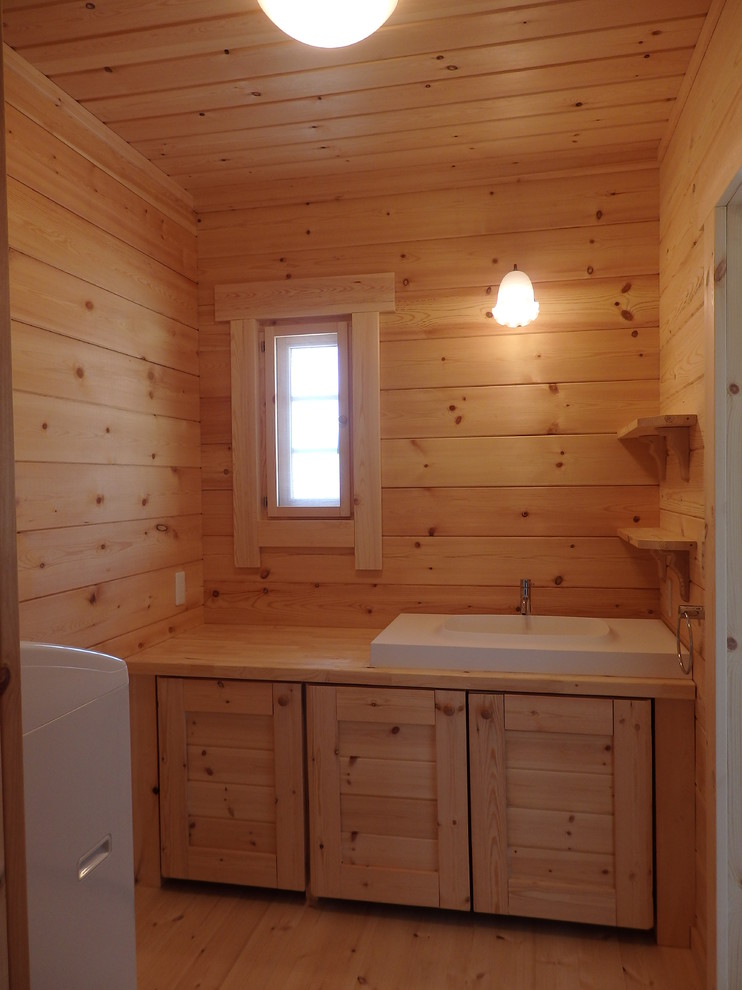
[(249, 305)]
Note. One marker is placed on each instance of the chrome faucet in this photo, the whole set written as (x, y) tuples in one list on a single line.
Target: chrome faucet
[(525, 596)]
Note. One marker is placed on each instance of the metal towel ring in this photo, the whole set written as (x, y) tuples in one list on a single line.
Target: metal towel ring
[(683, 614), (687, 612)]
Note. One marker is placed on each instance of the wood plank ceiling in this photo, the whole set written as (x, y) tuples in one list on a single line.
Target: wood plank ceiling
[(214, 94)]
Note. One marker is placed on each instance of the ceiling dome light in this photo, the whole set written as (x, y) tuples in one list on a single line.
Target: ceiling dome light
[(516, 306), (328, 23)]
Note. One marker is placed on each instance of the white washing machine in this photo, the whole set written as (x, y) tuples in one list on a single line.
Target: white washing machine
[(77, 773)]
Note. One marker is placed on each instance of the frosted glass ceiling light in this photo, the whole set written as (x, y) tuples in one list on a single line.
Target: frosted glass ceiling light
[(328, 23), (516, 306)]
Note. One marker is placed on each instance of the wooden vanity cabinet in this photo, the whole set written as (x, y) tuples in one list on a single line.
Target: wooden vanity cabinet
[(561, 807), (231, 781), (522, 804), (388, 809)]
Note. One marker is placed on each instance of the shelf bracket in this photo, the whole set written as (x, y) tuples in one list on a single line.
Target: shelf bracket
[(669, 550), (664, 434), (678, 440), (658, 449), (677, 561)]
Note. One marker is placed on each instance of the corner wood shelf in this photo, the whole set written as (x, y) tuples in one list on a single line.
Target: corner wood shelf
[(661, 433), (668, 549)]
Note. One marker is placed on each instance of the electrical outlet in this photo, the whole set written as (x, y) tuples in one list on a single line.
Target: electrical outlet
[(180, 588)]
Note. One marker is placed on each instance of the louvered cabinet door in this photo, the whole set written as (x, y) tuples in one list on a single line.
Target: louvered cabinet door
[(231, 781), (388, 815), (561, 808)]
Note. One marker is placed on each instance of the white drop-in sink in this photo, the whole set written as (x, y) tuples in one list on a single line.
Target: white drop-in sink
[(552, 644)]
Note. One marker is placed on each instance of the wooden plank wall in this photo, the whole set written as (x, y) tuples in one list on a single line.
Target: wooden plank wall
[(499, 455), (105, 374), (699, 162)]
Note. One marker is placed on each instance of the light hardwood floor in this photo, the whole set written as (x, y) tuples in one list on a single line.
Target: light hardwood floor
[(202, 937)]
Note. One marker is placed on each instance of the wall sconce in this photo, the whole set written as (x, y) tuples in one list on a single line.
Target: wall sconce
[(328, 23), (516, 306)]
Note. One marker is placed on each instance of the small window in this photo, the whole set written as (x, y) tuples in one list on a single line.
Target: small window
[(258, 312), (307, 419)]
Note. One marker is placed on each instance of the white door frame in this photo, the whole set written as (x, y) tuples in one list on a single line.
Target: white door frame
[(727, 427)]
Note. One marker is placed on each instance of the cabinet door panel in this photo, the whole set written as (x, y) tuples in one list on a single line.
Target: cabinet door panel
[(633, 777), (231, 781), (396, 816), (414, 742), (387, 778), (236, 801), (488, 802), (566, 867), (173, 778), (452, 788), (374, 883), (594, 905), (232, 866), (215, 729), (405, 706), (560, 790), (289, 756), (593, 754), (390, 852), (560, 829), (388, 820), (222, 765), (202, 694), (226, 833), (561, 803), (558, 714)]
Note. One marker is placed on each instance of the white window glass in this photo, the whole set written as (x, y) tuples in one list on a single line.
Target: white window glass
[(315, 478), (309, 413), (314, 368), (314, 468)]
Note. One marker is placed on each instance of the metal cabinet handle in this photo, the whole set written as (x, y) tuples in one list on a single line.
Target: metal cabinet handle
[(92, 859)]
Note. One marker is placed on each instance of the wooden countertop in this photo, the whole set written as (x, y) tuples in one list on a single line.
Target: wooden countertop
[(321, 655)]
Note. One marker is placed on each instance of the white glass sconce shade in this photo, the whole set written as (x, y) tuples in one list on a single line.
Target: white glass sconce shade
[(516, 306), (328, 23)]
